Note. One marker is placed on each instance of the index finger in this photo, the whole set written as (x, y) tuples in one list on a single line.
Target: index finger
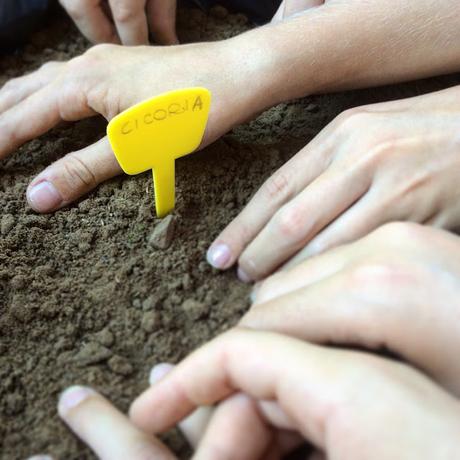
[(105, 429), (307, 381)]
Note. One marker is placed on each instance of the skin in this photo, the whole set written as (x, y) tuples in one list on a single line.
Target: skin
[(375, 164), (269, 403), (124, 21), (246, 74), (397, 289)]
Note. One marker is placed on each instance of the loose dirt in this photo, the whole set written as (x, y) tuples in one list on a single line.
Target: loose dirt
[(96, 294)]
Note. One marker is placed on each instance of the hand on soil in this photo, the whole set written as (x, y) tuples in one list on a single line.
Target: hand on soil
[(275, 392), (375, 164), (124, 21), (106, 80)]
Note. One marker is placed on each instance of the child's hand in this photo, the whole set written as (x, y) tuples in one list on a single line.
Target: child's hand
[(397, 288), (125, 21), (277, 391), (107, 80), (375, 164)]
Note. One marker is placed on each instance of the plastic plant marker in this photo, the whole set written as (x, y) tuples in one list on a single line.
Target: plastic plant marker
[(154, 133)]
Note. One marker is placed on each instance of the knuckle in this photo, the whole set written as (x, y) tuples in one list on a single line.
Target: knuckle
[(290, 223), (352, 119), (77, 173), (11, 85), (75, 8), (399, 232), (277, 188), (124, 12)]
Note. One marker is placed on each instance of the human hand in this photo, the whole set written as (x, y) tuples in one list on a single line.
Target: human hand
[(124, 21), (107, 80), (375, 164), (396, 289), (110, 434), (343, 402)]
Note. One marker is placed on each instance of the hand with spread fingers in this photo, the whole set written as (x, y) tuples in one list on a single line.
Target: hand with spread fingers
[(124, 21), (375, 164), (276, 392), (397, 289)]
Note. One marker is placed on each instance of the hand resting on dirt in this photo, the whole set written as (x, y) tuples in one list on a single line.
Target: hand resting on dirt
[(396, 161)]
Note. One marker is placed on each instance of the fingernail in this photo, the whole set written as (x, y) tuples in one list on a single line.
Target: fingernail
[(159, 371), (219, 256), (254, 292), (72, 397), (243, 276), (44, 197), (40, 457)]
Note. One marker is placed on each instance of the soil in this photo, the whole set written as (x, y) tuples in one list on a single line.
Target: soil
[(96, 294)]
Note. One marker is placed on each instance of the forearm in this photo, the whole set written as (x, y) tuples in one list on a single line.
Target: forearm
[(348, 44)]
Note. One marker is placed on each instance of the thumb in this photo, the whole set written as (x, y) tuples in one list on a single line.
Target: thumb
[(72, 176)]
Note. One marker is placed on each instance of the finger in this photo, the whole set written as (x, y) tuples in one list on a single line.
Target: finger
[(91, 20), (306, 380), (162, 20), (369, 306), (278, 190), (194, 426), (106, 430), (236, 431), (293, 7), (361, 219), (296, 223), (16, 90), (305, 274), (31, 118), (72, 176), (130, 21)]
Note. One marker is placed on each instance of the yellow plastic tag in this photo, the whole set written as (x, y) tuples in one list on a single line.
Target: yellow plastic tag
[(154, 133)]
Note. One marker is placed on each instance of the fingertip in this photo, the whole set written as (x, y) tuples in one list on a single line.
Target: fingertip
[(243, 276), (43, 197), (71, 398), (159, 371), (220, 256)]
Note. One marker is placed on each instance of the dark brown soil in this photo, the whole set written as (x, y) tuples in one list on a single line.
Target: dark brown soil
[(86, 296)]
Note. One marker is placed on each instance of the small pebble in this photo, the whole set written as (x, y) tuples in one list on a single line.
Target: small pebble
[(120, 365), (151, 321), (7, 224), (194, 309), (104, 337), (162, 236), (92, 353)]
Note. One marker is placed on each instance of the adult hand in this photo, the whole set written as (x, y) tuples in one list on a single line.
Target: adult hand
[(375, 164), (106, 80), (124, 21), (343, 402), (396, 289)]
